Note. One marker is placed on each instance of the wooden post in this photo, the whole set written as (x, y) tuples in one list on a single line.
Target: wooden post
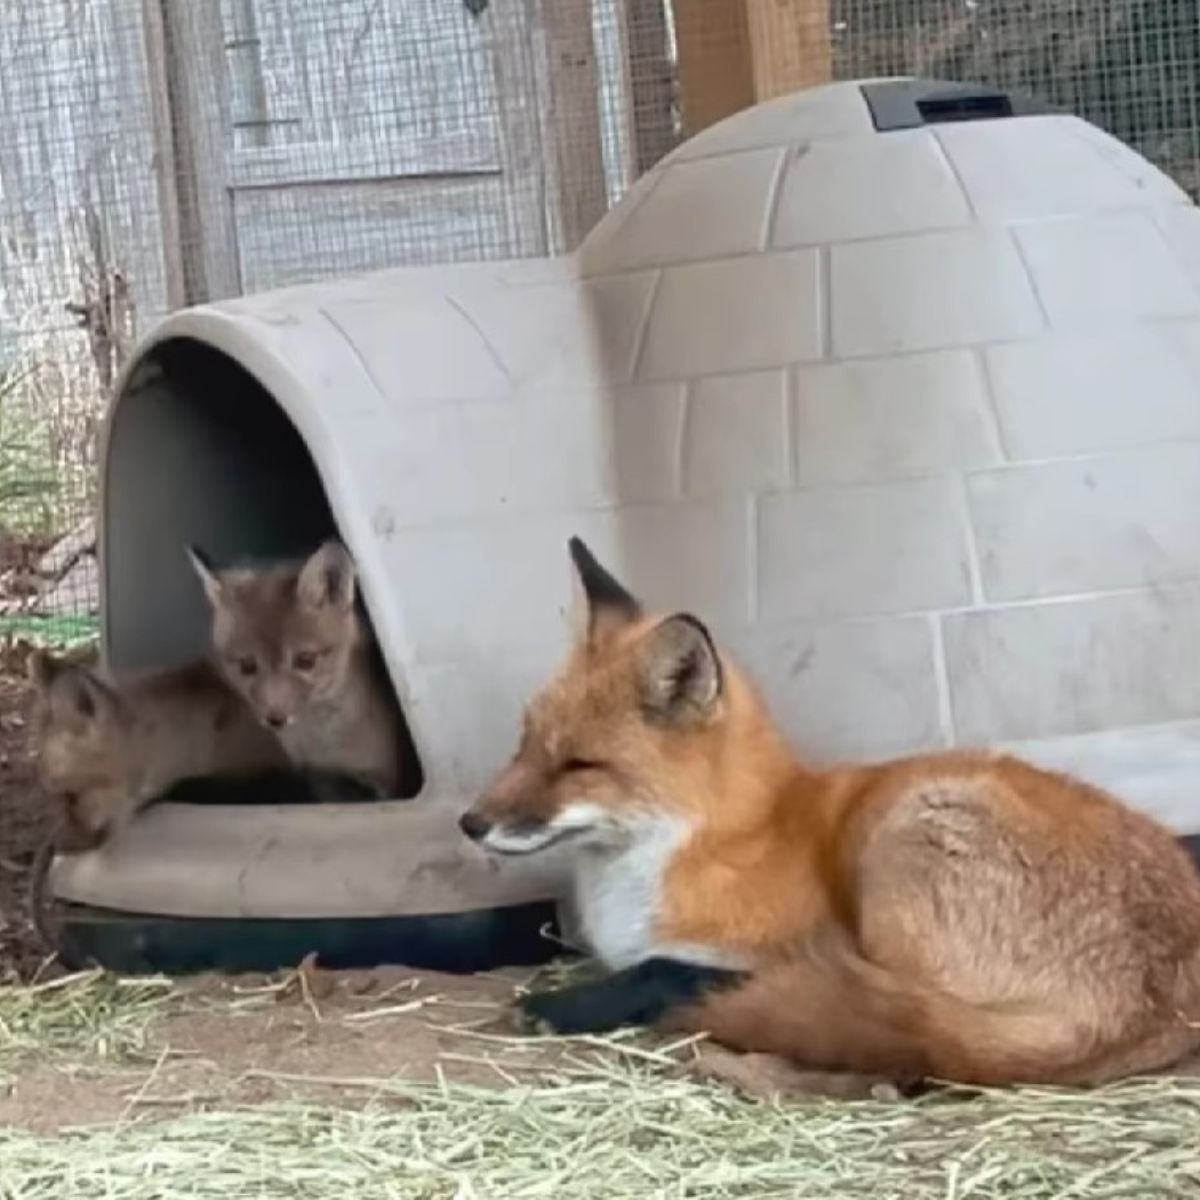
[(508, 33), (199, 80), (789, 45), (715, 75), (165, 170), (569, 107), (189, 97), (735, 53)]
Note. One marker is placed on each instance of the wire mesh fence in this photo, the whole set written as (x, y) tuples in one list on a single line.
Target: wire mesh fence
[(156, 153)]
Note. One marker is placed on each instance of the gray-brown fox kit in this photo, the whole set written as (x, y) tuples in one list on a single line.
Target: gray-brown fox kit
[(108, 749), (291, 640)]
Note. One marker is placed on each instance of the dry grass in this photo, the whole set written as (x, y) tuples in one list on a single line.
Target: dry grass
[(632, 1132), (616, 1122), (92, 1016)]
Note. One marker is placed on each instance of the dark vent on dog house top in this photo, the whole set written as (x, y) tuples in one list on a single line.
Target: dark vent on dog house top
[(911, 103)]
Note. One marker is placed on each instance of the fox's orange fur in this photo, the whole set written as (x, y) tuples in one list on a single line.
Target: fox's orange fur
[(957, 915)]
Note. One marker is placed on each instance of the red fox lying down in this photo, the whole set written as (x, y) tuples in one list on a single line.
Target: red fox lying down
[(962, 916)]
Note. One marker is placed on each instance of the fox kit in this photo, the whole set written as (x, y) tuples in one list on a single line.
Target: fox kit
[(956, 915), (107, 750), (291, 640)]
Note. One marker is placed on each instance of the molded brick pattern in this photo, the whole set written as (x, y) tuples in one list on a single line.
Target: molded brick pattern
[(1047, 670), (542, 448), (1105, 269), (835, 111), (1181, 226), (1121, 520), (939, 289), (863, 402), (426, 351), (499, 586), (735, 433), (726, 197), (1020, 170), (1155, 186), (834, 191), (880, 419), (693, 556), (468, 586), (891, 548), (863, 690), (734, 315), (564, 333), (1072, 395)]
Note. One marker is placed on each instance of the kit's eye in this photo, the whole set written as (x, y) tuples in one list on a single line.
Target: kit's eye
[(304, 660), (247, 667)]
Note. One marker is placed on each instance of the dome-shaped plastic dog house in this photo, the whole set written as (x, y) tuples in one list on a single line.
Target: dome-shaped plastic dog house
[(895, 383)]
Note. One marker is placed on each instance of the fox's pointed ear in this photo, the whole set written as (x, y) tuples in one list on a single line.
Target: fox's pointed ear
[(204, 568), (608, 604), (43, 668), (680, 675), (328, 577), (77, 695)]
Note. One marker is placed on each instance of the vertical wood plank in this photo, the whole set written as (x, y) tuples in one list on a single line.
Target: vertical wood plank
[(735, 53), (570, 117), (198, 89), (508, 29), (790, 45), (716, 77), (165, 166)]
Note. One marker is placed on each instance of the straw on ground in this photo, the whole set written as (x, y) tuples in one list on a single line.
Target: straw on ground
[(615, 1125)]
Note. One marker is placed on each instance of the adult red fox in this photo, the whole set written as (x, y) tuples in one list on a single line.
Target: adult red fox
[(963, 916)]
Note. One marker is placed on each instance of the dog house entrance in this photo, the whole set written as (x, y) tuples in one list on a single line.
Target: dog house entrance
[(199, 452)]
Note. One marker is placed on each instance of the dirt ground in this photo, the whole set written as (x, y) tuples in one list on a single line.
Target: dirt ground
[(247, 1040), (351, 1037)]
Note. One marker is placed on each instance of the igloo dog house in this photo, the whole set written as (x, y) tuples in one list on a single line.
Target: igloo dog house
[(895, 383)]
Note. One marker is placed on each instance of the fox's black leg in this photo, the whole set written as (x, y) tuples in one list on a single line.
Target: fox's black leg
[(638, 995)]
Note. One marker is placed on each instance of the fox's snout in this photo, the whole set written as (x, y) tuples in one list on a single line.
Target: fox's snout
[(516, 799), (513, 815), (476, 827)]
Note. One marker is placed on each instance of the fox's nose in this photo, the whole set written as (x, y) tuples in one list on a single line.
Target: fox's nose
[(474, 826), (276, 719)]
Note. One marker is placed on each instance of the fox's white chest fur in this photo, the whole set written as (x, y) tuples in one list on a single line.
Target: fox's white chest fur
[(619, 898)]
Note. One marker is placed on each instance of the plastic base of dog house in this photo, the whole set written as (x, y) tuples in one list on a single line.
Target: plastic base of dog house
[(142, 943)]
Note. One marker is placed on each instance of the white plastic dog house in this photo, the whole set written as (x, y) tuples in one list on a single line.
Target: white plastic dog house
[(896, 384)]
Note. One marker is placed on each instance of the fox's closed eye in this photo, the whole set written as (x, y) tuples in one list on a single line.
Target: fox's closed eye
[(580, 764), (247, 666), (305, 660)]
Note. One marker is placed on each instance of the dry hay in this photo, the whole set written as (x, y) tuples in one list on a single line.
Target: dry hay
[(620, 1121)]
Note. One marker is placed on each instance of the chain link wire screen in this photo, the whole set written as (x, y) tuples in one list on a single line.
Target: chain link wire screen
[(155, 153)]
